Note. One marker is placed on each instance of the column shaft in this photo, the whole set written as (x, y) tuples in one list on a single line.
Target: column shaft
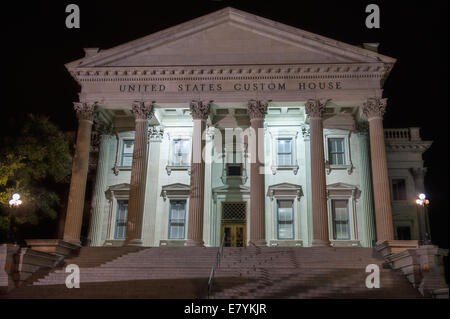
[(315, 109), (99, 198), (199, 112), (142, 112), (367, 214), (257, 110), (74, 215), (374, 110)]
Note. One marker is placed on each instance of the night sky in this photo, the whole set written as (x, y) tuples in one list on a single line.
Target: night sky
[(36, 45)]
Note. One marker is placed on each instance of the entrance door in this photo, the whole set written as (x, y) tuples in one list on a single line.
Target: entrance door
[(234, 235)]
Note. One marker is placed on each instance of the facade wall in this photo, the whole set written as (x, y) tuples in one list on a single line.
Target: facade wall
[(156, 215)]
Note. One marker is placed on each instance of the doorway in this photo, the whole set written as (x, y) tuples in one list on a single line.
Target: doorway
[(233, 230)]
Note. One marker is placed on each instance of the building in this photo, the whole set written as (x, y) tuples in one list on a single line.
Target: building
[(291, 125)]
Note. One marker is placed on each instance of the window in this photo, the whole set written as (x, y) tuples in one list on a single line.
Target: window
[(121, 219), (336, 151), (340, 219), (177, 219), (234, 170), (284, 152), (285, 219), (398, 189), (127, 152), (181, 152), (403, 233)]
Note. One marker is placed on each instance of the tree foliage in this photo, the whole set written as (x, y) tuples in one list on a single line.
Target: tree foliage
[(34, 162)]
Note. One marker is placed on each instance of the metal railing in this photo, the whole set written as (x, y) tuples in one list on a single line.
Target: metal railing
[(215, 266)]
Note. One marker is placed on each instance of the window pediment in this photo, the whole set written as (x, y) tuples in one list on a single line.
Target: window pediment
[(176, 190), (122, 190), (343, 189), (285, 190)]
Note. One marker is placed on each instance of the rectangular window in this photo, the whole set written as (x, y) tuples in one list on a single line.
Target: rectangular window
[(181, 152), (284, 151), (341, 223), (285, 219), (121, 219), (127, 152), (177, 219), (336, 151), (398, 189)]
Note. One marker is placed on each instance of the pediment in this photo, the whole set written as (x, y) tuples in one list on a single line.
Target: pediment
[(284, 190), (341, 186), (176, 186), (229, 37), (285, 186), (119, 187), (176, 190)]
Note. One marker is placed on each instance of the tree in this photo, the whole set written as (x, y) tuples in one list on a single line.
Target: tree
[(34, 162)]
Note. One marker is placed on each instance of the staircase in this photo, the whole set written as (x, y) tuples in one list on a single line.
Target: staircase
[(253, 272)]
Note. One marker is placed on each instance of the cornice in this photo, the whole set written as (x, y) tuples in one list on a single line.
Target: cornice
[(221, 72), (408, 146)]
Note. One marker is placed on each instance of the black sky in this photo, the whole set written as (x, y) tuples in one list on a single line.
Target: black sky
[(36, 45)]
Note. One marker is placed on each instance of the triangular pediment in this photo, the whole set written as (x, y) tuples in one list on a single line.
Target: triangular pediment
[(229, 37), (285, 186), (176, 186), (341, 186)]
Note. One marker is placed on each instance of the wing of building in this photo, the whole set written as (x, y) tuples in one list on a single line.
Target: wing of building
[(237, 128)]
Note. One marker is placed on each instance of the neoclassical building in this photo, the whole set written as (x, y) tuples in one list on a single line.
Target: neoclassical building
[(234, 127)]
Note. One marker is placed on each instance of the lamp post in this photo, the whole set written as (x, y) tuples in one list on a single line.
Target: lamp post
[(423, 202), (13, 203)]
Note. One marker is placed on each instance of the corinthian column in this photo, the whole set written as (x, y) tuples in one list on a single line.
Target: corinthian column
[(256, 110), (99, 198), (367, 218), (374, 110), (315, 108), (199, 112), (142, 111), (74, 215)]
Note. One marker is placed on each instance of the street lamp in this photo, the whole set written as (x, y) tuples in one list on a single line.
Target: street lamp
[(423, 201), (14, 202)]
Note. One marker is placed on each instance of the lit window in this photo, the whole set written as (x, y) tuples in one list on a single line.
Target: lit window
[(285, 219), (177, 219), (127, 152), (284, 152), (181, 152), (121, 219), (336, 151), (341, 225), (398, 189)]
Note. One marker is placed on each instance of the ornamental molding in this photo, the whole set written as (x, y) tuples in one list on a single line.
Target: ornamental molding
[(374, 108), (315, 107), (85, 111), (256, 109), (408, 146), (302, 71), (199, 109), (155, 133), (142, 110)]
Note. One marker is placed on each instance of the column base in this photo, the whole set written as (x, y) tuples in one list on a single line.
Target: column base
[(389, 247), (59, 247), (320, 243), (258, 242), (134, 242), (194, 243)]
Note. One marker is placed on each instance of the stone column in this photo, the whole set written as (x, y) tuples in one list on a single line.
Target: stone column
[(315, 108), (256, 110), (74, 214), (374, 110), (367, 214), (199, 112), (142, 111), (99, 198)]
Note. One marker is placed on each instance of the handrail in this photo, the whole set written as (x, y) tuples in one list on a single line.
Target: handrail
[(215, 266)]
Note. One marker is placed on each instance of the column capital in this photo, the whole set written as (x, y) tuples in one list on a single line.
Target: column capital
[(418, 172), (315, 107), (155, 133), (256, 109), (199, 109), (85, 111), (374, 108), (142, 110)]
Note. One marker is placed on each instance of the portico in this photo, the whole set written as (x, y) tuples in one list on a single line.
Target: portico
[(295, 103)]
